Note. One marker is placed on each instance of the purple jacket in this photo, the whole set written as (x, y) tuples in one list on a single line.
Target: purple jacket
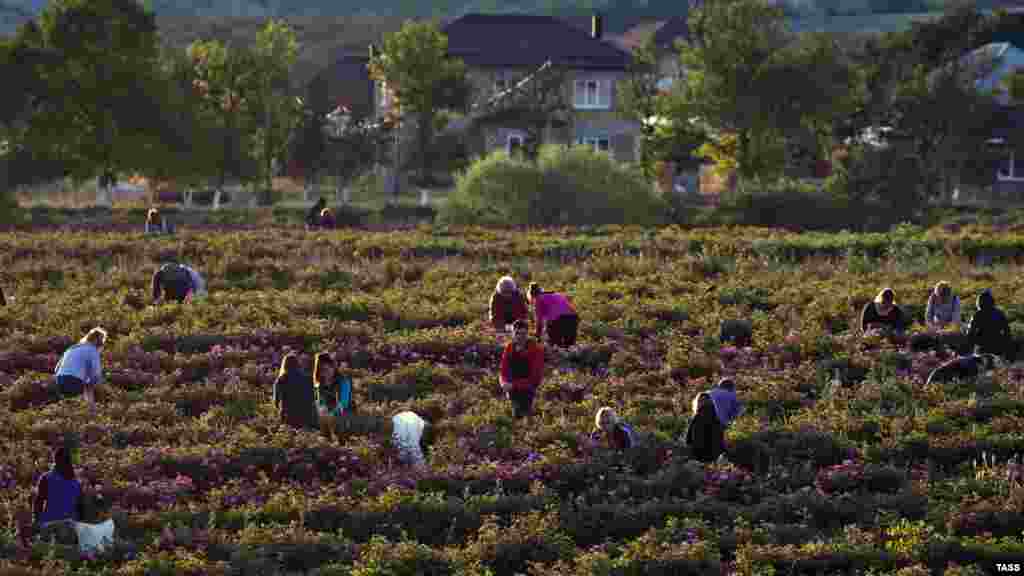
[(727, 405)]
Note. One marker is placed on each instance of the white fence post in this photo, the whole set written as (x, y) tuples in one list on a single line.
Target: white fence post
[(424, 197)]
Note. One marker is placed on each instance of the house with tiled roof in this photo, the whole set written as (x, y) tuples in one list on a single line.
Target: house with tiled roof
[(500, 50)]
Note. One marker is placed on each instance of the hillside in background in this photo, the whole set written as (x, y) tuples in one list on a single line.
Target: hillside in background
[(328, 29)]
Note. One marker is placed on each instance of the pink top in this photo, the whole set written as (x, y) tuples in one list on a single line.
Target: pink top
[(551, 305)]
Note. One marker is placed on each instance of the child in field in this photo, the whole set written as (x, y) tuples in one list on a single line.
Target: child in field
[(155, 223), (617, 434), (294, 397), (964, 368), (522, 369), (555, 314), (174, 282), (989, 331), (80, 368), (507, 304), (883, 314), (333, 393), (313, 216), (705, 434)]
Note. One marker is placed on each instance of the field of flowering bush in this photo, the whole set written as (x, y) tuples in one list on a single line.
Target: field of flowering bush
[(845, 461)]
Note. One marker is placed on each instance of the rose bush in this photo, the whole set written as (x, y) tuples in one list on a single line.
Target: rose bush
[(840, 435)]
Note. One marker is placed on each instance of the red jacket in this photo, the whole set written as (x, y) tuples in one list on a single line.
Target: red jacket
[(516, 304), (534, 359)]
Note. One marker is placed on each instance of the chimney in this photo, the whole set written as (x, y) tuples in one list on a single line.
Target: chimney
[(596, 26)]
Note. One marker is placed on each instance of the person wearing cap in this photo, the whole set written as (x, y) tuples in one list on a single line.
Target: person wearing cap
[(989, 330), (173, 281), (507, 304), (555, 314), (80, 369), (615, 432), (883, 314), (522, 369)]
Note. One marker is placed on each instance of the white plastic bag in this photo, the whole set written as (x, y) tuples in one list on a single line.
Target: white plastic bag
[(94, 537)]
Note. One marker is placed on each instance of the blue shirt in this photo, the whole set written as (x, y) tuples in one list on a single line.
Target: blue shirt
[(343, 389), (61, 498), (81, 361), (727, 405)]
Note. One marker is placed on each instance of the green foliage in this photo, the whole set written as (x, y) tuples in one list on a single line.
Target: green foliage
[(733, 81), (275, 111), (414, 67), (107, 57), (566, 186)]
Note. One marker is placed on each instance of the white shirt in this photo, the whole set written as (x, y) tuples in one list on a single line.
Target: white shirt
[(407, 432)]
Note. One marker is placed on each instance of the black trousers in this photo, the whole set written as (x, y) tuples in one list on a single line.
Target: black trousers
[(562, 330), (522, 401)]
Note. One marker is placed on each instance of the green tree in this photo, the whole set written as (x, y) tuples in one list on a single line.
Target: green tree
[(733, 81), (310, 142), (665, 130), (276, 111), (415, 67), (227, 83), (108, 53)]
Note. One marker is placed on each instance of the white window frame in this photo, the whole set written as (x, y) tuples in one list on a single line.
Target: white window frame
[(581, 99), (595, 143), (515, 136)]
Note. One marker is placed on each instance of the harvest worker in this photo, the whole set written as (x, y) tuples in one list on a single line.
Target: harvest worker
[(964, 368), (155, 223), (883, 314), (989, 331), (554, 313), (727, 406), (412, 436), (80, 369), (616, 433), (294, 398), (522, 368), (174, 281), (198, 283), (58, 500), (943, 310), (507, 304), (705, 435), (327, 218), (333, 393), (313, 216)]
